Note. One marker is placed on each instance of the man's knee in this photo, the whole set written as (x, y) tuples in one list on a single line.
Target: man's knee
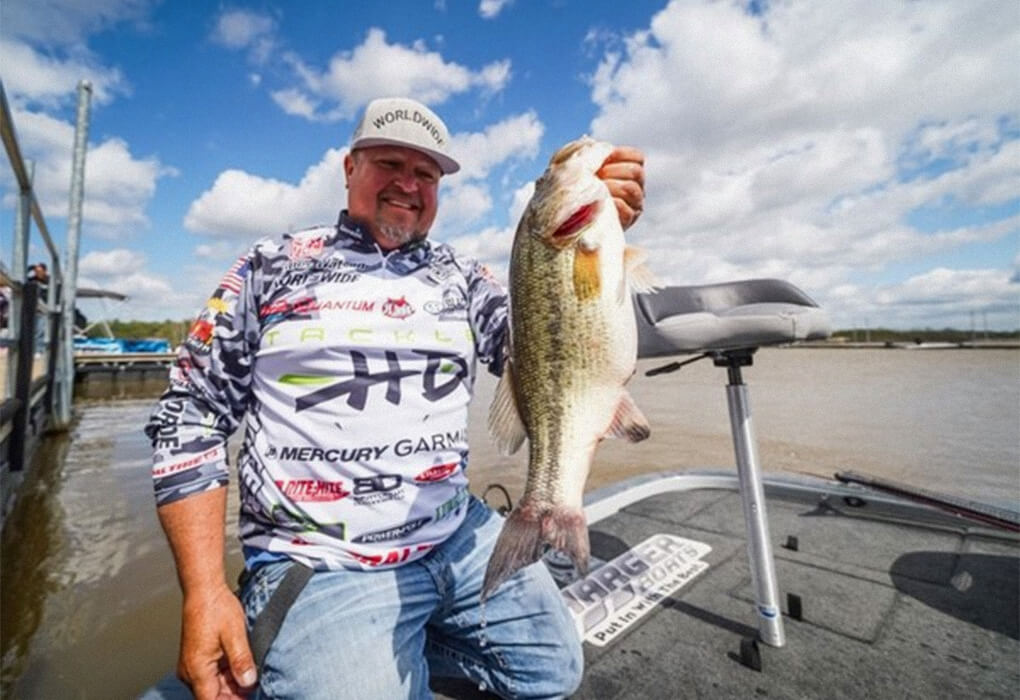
[(560, 676)]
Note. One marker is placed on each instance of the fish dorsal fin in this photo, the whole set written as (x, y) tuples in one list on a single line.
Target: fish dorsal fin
[(640, 278), (629, 422), (505, 425)]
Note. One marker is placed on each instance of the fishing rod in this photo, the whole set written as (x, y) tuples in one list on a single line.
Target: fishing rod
[(983, 513)]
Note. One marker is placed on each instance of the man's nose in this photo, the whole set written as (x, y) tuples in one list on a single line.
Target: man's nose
[(406, 180)]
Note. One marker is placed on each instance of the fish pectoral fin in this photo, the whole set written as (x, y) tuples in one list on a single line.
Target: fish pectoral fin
[(628, 421), (640, 278), (587, 275), (505, 425)]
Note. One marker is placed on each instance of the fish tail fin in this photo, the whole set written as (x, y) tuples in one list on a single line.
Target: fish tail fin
[(526, 532), (628, 421), (639, 276)]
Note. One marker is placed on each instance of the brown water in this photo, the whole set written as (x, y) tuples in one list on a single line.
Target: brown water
[(89, 605)]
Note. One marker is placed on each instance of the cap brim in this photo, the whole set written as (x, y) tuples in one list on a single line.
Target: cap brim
[(446, 164)]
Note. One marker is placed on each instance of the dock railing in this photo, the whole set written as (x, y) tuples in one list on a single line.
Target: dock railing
[(36, 362)]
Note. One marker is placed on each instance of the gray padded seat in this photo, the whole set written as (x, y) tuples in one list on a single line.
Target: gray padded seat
[(727, 316)]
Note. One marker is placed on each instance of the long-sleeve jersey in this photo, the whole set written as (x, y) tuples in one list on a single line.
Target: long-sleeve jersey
[(352, 370)]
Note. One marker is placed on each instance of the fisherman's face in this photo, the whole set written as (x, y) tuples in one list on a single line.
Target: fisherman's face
[(393, 191)]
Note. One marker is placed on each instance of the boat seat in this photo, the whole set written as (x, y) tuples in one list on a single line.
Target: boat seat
[(728, 316), (729, 322)]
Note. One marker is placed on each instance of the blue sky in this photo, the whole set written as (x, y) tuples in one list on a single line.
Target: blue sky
[(867, 152)]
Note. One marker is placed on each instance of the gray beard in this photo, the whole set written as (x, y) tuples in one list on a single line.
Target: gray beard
[(399, 235)]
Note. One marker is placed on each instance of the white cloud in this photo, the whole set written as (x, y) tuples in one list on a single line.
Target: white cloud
[(33, 77), (119, 185), (244, 205), (64, 22), (110, 262), (246, 29), (240, 204), (801, 142), (377, 68), (461, 205), (516, 137), (490, 8)]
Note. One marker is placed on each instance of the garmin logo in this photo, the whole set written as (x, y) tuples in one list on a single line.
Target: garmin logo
[(416, 117)]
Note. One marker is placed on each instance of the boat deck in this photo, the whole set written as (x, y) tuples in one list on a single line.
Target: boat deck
[(911, 609)]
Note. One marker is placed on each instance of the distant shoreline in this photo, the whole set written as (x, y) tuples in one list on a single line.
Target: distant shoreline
[(907, 345)]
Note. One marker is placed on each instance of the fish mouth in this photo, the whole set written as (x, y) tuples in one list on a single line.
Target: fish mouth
[(575, 223)]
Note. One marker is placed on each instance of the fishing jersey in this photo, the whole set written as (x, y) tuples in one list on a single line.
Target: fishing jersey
[(352, 370)]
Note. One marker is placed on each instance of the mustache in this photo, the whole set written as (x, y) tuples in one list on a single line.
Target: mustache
[(401, 196)]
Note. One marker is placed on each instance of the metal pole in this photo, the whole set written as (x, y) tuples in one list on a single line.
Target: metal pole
[(22, 223), (759, 548), (65, 370)]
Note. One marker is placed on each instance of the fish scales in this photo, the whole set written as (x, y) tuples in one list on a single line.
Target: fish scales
[(573, 347)]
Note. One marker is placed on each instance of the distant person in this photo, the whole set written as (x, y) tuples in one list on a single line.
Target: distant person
[(40, 274), (5, 306), (349, 352)]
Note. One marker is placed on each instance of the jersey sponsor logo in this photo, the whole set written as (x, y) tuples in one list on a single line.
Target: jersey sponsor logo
[(359, 335), (430, 443), (394, 556), (451, 366), (370, 490), (309, 453), (439, 472), (311, 305), (201, 331), (217, 304), (394, 533), (301, 248), (452, 505), (397, 308), (211, 455), (451, 305), (296, 523), (314, 276), (312, 490)]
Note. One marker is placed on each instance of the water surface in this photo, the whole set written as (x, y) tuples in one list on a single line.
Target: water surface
[(90, 602)]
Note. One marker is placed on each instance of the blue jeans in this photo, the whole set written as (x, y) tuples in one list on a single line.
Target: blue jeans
[(380, 634)]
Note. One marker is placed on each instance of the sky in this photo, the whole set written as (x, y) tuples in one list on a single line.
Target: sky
[(868, 152)]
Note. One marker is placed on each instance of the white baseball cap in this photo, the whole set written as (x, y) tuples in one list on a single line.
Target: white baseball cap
[(400, 121)]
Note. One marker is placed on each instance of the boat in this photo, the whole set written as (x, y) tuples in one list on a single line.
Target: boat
[(739, 583)]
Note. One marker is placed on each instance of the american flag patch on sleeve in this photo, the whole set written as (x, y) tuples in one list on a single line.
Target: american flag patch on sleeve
[(234, 278)]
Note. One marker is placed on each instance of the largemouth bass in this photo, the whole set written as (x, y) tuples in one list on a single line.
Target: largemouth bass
[(573, 346)]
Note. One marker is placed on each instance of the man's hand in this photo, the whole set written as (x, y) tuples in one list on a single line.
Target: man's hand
[(624, 174), (215, 659)]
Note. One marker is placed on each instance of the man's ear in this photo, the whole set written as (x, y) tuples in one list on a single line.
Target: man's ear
[(348, 169)]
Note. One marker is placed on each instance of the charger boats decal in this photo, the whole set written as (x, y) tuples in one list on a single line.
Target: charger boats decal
[(617, 594)]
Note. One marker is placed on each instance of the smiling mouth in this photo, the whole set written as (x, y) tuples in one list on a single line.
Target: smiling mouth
[(401, 204)]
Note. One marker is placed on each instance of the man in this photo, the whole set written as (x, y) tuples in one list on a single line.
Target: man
[(350, 352)]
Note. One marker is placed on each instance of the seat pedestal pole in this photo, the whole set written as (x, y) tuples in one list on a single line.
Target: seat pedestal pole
[(752, 494)]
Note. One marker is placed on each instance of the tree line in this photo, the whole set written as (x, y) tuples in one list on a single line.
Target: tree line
[(176, 331), (173, 331)]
